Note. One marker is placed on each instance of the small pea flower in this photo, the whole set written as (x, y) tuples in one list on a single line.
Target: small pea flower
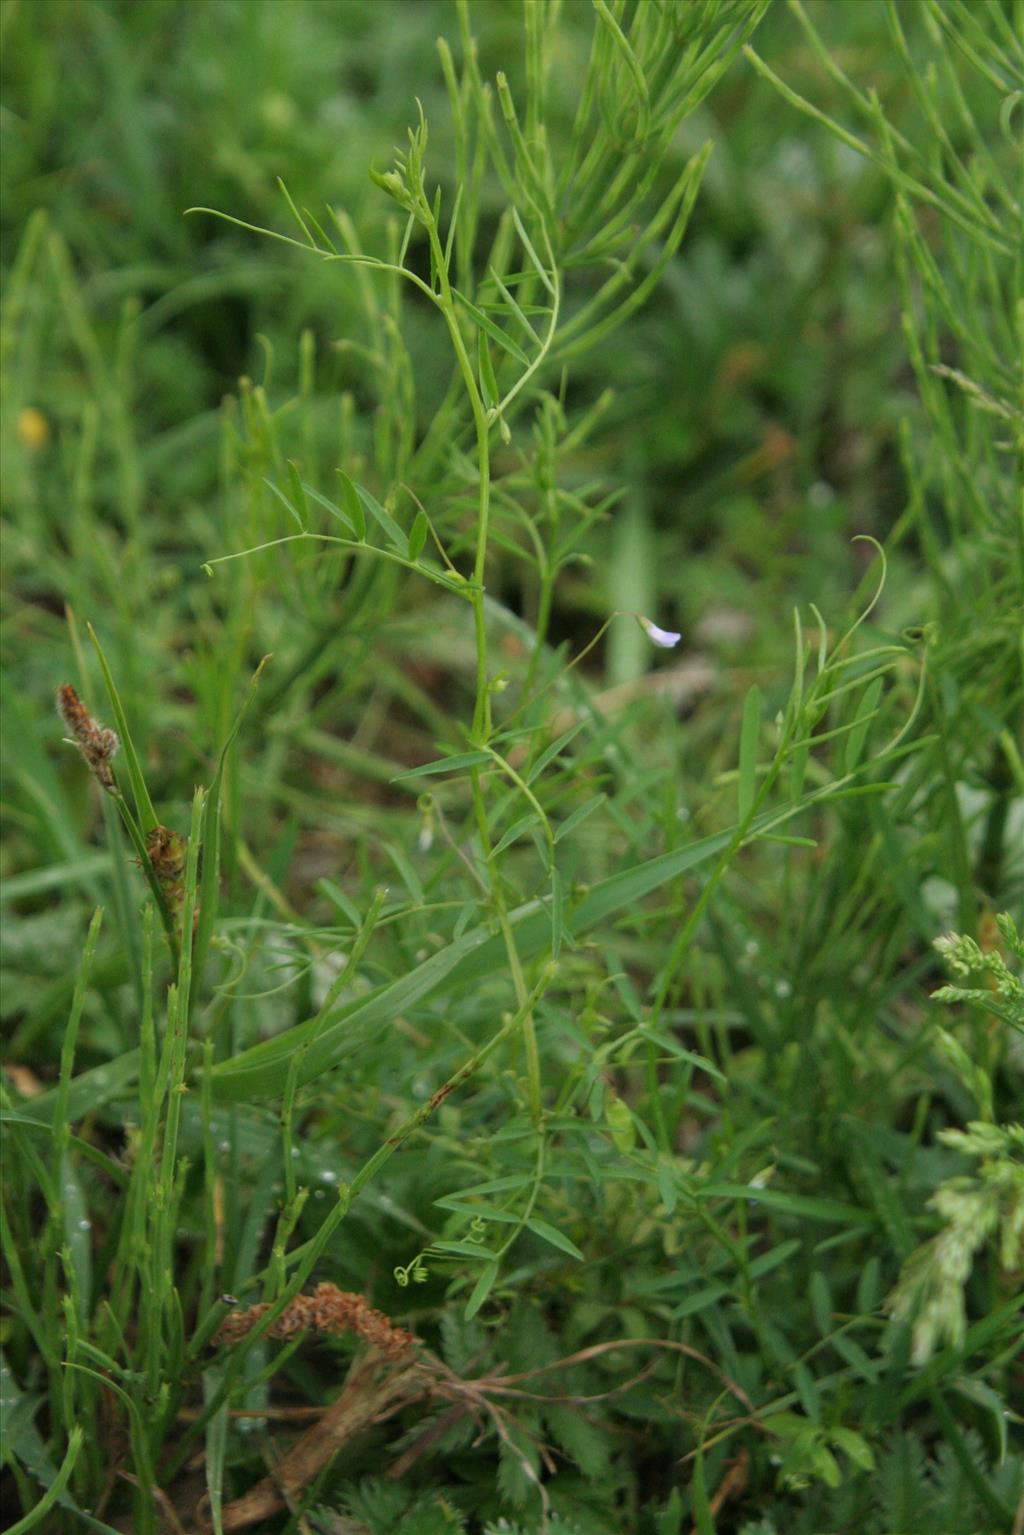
[(425, 840), (667, 639)]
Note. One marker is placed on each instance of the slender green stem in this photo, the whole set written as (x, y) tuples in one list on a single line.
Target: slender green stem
[(482, 724)]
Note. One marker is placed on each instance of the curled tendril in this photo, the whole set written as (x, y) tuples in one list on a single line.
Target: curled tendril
[(415, 1273)]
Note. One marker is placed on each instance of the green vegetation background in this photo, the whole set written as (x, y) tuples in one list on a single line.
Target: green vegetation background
[(774, 400)]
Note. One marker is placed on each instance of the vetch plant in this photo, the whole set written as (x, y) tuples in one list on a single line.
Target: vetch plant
[(532, 1095)]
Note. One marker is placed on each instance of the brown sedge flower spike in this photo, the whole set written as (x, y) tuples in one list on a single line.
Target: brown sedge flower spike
[(166, 851), (167, 855), (94, 741)]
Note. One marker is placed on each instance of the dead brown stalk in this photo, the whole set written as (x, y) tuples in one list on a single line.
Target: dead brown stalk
[(384, 1381), (372, 1392)]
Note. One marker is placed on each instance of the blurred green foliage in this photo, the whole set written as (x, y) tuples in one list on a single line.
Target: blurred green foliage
[(830, 354)]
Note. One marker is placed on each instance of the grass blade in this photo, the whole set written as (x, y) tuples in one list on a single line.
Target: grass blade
[(209, 887), (749, 734), (476, 956)]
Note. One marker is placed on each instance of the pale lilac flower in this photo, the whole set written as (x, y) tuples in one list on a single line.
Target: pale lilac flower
[(665, 638)]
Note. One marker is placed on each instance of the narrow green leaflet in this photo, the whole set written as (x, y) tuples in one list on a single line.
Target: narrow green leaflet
[(481, 1290), (577, 818), (329, 506), (289, 508), (690, 1057), (557, 1238), (494, 331), (493, 1186), (354, 513), (298, 494), (554, 750), (418, 536), (802, 1206), (382, 518), (455, 764)]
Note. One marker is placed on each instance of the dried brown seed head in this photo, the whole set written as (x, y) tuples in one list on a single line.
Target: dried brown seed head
[(327, 1310)]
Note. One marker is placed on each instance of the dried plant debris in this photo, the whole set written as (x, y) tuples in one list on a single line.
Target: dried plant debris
[(327, 1310), (96, 743)]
